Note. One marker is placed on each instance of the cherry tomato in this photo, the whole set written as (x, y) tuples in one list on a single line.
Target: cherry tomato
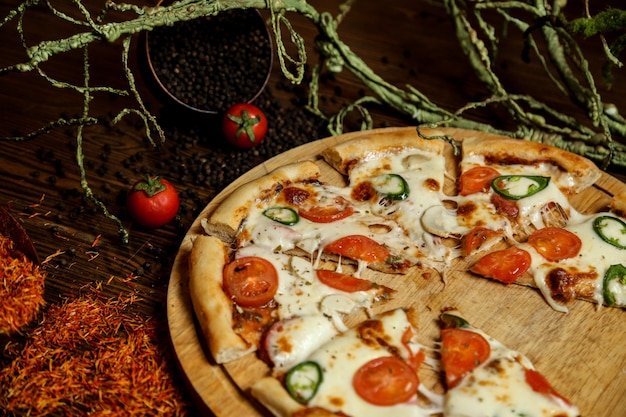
[(342, 282), (387, 380), (541, 385), (555, 244), (476, 238), (359, 247), (505, 265), (152, 202), (244, 125), (462, 351), (476, 180), (251, 281), (336, 209)]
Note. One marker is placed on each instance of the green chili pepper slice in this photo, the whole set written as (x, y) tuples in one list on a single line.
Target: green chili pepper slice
[(303, 380), (283, 215), (392, 186), (451, 320), (612, 230), (516, 187), (615, 272)]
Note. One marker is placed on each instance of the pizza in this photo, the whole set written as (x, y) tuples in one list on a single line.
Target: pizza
[(293, 267)]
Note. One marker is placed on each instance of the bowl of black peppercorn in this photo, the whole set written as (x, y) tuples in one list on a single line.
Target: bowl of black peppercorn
[(210, 63)]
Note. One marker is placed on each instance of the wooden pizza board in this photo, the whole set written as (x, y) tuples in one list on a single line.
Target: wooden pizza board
[(583, 352)]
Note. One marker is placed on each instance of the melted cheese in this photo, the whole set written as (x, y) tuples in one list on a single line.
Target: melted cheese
[(344, 355), (311, 237), (498, 388), (424, 173), (530, 208), (309, 312)]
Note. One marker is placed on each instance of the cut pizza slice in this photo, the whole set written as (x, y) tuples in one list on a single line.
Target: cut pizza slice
[(297, 214), (512, 187), (400, 178), (584, 260), (370, 370), (281, 305), (486, 378)]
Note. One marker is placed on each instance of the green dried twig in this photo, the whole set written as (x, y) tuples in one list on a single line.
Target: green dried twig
[(477, 35)]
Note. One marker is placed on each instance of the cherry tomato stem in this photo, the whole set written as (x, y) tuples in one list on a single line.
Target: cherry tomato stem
[(244, 125)]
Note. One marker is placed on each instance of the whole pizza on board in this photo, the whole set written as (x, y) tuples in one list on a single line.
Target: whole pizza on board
[(313, 277)]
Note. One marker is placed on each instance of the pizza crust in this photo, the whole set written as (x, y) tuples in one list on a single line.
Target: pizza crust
[(344, 156), (211, 305), (232, 211), (618, 204), (270, 392), (503, 150)]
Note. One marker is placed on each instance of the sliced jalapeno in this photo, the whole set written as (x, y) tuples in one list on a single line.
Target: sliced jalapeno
[(303, 380), (615, 272), (283, 215), (392, 186), (612, 230), (516, 187), (451, 320)]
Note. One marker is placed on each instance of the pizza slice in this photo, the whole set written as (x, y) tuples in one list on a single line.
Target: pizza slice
[(262, 300), (583, 260), (486, 378), (507, 188), (370, 370), (400, 177)]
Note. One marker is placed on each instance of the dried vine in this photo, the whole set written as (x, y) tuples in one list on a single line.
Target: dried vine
[(542, 22)]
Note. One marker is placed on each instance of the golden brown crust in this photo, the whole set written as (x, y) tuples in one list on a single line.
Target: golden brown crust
[(269, 392), (503, 150), (344, 156), (618, 205), (212, 307), (227, 217)]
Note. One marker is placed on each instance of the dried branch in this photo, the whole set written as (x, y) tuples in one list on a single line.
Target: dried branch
[(564, 64)]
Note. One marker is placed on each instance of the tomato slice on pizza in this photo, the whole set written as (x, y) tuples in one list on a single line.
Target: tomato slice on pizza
[(486, 378), (251, 281), (343, 282), (477, 180)]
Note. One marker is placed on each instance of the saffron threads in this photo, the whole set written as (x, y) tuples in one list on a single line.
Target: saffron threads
[(92, 356), (21, 288)]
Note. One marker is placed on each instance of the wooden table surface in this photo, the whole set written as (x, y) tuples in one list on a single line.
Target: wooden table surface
[(405, 42)]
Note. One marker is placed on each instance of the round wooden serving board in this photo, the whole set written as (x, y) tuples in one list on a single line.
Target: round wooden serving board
[(583, 352)]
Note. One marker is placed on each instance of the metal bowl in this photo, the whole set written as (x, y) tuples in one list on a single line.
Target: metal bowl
[(209, 64)]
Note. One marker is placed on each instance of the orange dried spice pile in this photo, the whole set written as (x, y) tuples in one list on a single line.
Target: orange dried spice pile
[(21, 288), (91, 356)]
